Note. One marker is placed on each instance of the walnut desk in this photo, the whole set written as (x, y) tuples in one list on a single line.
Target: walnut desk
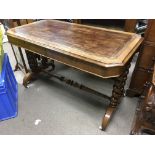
[(98, 51)]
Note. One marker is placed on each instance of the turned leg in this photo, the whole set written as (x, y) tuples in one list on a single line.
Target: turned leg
[(117, 93)]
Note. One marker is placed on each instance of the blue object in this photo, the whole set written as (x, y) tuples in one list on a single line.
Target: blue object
[(8, 91)]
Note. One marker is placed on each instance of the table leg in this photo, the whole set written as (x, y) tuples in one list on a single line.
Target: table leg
[(27, 78), (34, 66), (17, 63), (23, 60), (117, 92), (32, 60)]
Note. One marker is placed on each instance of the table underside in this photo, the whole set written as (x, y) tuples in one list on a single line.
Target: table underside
[(117, 91), (83, 65)]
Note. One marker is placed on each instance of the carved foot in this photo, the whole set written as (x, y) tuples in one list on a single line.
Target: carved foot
[(27, 79), (107, 117)]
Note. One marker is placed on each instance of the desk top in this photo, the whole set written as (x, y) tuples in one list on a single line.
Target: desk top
[(98, 45)]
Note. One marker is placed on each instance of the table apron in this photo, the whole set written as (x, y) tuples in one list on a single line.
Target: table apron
[(100, 71)]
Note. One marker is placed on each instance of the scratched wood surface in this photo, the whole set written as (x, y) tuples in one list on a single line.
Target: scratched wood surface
[(98, 45)]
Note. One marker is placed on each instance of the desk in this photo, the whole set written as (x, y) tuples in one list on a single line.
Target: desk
[(98, 51)]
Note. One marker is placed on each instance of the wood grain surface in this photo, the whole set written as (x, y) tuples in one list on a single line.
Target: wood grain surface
[(98, 45)]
